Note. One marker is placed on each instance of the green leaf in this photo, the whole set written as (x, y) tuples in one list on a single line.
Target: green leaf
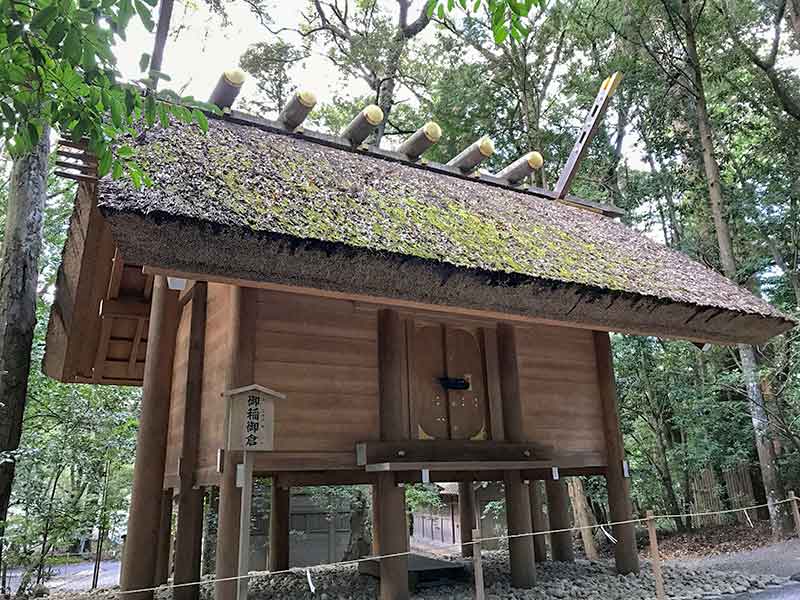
[(44, 17), (519, 8), (150, 109), (8, 113), (13, 33), (57, 33), (201, 119), (72, 46), (163, 114), (144, 62), (431, 7), (160, 75), (500, 34), (104, 164), (33, 133), (117, 112), (125, 152), (441, 11), (116, 170), (144, 14)]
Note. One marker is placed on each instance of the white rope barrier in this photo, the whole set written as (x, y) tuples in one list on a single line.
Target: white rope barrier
[(259, 574)]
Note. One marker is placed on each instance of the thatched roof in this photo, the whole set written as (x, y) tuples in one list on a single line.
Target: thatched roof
[(243, 201)]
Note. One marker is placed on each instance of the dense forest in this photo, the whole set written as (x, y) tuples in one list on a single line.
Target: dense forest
[(700, 147)]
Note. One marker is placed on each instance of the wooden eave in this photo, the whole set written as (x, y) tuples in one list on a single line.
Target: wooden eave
[(99, 320), (97, 331)]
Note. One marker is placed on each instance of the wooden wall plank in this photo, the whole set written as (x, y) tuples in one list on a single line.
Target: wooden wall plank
[(215, 364), (562, 406), (323, 355)]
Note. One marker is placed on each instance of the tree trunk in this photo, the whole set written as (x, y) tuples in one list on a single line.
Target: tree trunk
[(667, 485), (18, 278), (387, 86), (359, 545), (583, 516), (794, 17), (766, 454)]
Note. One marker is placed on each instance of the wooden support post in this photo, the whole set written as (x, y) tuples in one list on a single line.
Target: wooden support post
[(164, 539), (558, 512), (655, 557), (477, 565), (619, 489), (518, 516), (538, 520), (279, 526), (376, 519), (518, 508), (467, 516), (239, 373), (394, 421), (245, 477), (795, 512), (144, 522), (189, 534), (188, 543), (393, 537)]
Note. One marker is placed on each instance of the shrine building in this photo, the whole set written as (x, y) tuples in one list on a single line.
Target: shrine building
[(313, 309)]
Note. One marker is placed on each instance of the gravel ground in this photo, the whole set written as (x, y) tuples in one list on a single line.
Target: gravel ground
[(580, 580), (781, 559)]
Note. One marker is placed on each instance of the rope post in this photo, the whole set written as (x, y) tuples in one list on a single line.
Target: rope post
[(795, 512), (655, 557), (477, 565)]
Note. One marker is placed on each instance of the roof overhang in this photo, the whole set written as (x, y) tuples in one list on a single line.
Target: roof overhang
[(198, 250), (98, 323)]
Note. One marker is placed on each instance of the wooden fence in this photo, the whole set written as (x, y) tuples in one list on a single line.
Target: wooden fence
[(708, 493)]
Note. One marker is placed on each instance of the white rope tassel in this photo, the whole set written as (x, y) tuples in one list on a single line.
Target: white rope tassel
[(748, 519), (310, 583), (608, 535)]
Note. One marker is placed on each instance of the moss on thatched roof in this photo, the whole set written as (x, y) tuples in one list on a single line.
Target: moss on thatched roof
[(266, 182)]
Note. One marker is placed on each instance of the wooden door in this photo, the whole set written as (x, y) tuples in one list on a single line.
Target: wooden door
[(429, 401), (436, 352), (468, 409)]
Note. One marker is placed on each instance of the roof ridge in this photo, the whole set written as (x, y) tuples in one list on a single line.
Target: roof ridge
[(332, 141)]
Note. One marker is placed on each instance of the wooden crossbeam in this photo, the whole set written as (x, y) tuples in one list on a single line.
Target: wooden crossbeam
[(503, 465), (85, 169), (77, 176), (447, 450), (126, 309), (588, 130)]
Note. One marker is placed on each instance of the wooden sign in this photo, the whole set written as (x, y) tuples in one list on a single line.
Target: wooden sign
[(251, 418)]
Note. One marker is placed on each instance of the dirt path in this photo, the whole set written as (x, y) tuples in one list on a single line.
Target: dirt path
[(781, 559)]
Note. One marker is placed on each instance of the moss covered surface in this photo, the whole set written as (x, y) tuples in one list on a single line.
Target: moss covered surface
[(242, 176)]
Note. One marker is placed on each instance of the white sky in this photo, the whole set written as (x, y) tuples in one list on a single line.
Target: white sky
[(204, 49)]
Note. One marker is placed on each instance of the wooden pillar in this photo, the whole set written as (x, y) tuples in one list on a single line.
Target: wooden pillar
[(619, 489), (164, 539), (393, 536), (558, 513), (376, 519), (239, 373), (539, 521), (518, 508), (188, 543), (391, 499), (144, 521), (189, 534), (467, 516), (279, 526)]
